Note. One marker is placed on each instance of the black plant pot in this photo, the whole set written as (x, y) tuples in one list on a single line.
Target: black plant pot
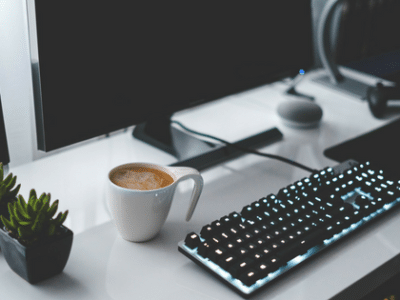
[(38, 261)]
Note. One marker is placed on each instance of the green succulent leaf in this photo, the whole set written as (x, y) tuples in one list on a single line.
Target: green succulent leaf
[(42, 197), (22, 201), (52, 210), (30, 211), (31, 201), (38, 223), (8, 224), (58, 218), (25, 223), (8, 179), (14, 192), (36, 206), (22, 209), (25, 232), (52, 229), (13, 222), (45, 207), (7, 193), (12, 182), (32, 194), (62, 218), (18, 214), (10, 207)]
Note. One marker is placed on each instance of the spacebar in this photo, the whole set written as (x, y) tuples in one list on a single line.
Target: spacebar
[(224, 153)]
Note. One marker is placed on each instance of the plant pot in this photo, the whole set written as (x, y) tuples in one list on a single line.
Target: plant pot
[(38, 261)]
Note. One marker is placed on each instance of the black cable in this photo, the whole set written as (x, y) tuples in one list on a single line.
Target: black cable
[(277, 157)]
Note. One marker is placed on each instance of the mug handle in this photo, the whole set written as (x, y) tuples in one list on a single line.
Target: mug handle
[(183, 173)]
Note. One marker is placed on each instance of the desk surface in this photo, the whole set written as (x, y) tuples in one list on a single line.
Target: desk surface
[(104, 266)]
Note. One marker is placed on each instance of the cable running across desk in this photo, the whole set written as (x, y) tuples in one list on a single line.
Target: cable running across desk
[(247, 150)]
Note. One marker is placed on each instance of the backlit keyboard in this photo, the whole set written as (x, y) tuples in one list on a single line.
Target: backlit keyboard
[(250, 249)]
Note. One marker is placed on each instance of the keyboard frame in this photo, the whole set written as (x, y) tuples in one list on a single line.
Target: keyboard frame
[(245, 291)]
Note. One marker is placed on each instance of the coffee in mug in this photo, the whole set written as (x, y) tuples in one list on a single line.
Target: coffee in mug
[(140, 196), (141, 178)]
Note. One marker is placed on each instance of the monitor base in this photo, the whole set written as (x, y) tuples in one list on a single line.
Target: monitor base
[(196, 153), (347, 85), (162, 135)]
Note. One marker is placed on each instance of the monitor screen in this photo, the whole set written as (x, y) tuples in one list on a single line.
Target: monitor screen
[(4, 154), (99, 66)]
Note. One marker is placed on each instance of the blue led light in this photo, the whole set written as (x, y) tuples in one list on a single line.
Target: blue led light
[(302, 72)]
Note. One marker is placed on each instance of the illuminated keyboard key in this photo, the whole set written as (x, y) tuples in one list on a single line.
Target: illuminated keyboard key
[(192, 240)]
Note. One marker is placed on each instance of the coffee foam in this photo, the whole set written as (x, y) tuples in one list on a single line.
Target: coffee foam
[(141, 178)]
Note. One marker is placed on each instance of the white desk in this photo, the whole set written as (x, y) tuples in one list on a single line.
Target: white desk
[(104, 266)]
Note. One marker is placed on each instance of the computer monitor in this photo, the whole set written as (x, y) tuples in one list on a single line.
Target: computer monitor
[(101, 66), (4, 154)]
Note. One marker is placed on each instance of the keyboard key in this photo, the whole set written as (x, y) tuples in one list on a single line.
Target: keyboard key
[(249, 277), (192, 240), (227, 261), (216, 254), (207, 231), (240, 267), (290, 252), (217, 225), (248, 212), (263, 269), (203, 249), (235, 218), (274, 263)]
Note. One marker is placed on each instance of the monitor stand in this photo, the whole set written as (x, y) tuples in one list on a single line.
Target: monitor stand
[(334, 79), (291, 90), (191, 151)]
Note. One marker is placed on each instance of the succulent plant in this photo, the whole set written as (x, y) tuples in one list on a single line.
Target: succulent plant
[(33, 220), (7, 193)]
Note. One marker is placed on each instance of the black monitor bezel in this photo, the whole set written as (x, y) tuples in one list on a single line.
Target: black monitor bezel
[(42, 117)]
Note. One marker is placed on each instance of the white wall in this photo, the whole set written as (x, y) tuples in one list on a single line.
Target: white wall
[(15, 82)]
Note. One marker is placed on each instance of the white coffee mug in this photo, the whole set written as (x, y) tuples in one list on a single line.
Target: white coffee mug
[(140, 214)]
